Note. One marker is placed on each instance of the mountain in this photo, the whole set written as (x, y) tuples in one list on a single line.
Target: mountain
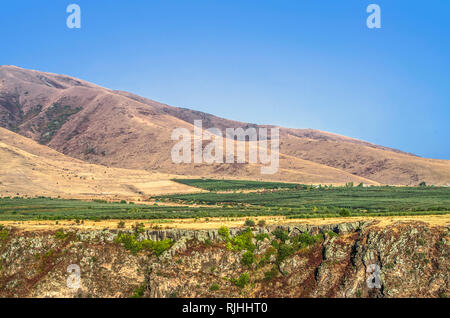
[(122, 130)]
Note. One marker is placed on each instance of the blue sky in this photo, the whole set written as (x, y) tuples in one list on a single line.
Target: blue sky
[(302, 64)]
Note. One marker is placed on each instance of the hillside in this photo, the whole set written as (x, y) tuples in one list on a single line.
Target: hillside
[(30, 169), (120, 129)]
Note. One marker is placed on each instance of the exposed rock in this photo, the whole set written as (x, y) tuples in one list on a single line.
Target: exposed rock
[(413, 260)]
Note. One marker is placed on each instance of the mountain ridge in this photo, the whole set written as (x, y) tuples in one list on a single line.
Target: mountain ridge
[(120, 129)]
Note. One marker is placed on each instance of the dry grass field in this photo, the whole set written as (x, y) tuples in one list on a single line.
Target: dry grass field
[(216, 223), (30, 169)]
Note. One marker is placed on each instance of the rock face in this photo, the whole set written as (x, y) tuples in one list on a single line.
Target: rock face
[(412, 260)]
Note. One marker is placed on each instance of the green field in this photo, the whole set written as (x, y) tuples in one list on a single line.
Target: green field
[(299, 201), (372, 199), (231, 185)]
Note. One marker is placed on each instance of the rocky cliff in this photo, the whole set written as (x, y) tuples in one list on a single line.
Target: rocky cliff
[(407, 259)]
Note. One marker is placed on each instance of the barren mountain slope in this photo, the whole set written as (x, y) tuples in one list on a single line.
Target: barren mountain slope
[(30, 169), (120, 129), (375, 163)]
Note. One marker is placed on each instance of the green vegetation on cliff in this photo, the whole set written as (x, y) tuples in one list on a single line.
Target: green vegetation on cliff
[(131, 243)]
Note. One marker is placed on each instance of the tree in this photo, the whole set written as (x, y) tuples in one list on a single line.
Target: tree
[(224, 233), (344, 212), (281, 234)]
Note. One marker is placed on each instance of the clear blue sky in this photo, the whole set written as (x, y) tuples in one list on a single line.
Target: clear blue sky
[(302, 64)]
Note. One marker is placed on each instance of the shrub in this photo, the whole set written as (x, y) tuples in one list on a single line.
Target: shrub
[(281, 234), (224, 233), (284, 251), (304, 239), (60, 235), (261, 223), (121, 225), (243, 241), (271, 274), (262, 236), (344, 212), (138, 228), (139, 291), (332, 234), (214, 287), (158, 247), (266, 256), (243, 280), (4, 233), (208, 242), (248, 259), (249, 222), (129, 242), (173, 294)]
